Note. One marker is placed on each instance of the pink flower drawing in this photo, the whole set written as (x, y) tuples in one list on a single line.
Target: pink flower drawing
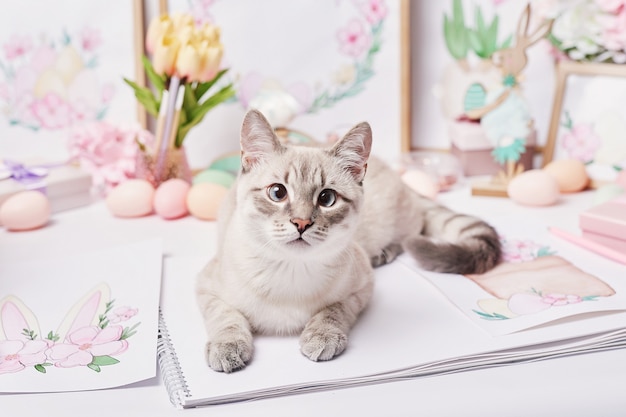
[(581, 142), (354, 39), (86, 343), (561, 299), (122, 314), (52, 112), (16, 355), (17, 46), (515, 250), (375, 11), (90, 39)]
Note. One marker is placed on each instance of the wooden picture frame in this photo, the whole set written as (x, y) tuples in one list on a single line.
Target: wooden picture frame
[(383, 99), (589, 118), (63, 67)]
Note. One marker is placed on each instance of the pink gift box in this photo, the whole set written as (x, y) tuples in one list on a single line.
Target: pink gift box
[(470, 145), (606, 224)]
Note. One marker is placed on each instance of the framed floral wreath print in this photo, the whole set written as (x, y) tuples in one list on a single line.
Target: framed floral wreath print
[(62, 64), (343, 61), (589, 118)]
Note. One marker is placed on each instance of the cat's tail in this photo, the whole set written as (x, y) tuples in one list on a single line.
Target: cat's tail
[(451, 242)]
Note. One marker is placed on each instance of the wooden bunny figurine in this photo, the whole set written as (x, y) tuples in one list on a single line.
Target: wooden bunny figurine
[(512, 61)]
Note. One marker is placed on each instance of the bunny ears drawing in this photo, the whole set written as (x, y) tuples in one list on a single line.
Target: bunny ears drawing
[(89, 335), (513, 60)]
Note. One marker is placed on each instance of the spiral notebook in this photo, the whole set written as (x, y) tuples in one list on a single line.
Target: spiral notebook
[(416, 325)]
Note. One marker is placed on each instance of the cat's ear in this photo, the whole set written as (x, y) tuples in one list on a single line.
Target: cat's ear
[(354, 148), (258, 140)]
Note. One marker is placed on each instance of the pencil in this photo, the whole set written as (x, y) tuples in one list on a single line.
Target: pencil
[(590, 245), (160, 125), (180, 95)]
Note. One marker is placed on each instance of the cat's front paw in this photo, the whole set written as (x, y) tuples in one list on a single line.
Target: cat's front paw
[(228, 356), (322, 344)]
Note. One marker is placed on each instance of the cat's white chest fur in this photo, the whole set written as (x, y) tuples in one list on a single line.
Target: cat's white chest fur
[(278, 297)]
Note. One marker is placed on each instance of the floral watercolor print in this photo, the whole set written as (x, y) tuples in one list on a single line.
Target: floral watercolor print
[(532, 279), (60, 71), (93, 335), (592, 124), (52, 83), (541, 280), (321, 65), (81, 321)]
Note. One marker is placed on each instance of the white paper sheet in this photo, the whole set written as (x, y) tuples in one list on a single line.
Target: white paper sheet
[(80, 322)]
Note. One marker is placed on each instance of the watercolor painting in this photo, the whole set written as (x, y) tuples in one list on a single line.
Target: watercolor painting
[(93, 334), (589, 118), (60, 71), (533, 279), (542, 279), (53, 83), (352, 71)]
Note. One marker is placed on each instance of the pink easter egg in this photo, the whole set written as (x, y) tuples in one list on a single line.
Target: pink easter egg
[(26, 210), (170, 199), (621, 178)]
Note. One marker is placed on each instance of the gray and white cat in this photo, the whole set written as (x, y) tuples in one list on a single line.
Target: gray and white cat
[(298, 237)]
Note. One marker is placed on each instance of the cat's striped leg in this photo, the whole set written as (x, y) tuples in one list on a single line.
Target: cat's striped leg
[(386, 255)]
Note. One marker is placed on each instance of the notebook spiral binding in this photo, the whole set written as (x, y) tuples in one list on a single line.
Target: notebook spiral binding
[(171, 372)]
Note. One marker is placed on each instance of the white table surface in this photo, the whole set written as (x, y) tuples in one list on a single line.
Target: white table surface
[(583, 385)]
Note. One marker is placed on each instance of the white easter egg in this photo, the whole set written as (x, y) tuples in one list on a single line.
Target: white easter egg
[(421, 182), (132, 198), (25, 210), (534, 188)]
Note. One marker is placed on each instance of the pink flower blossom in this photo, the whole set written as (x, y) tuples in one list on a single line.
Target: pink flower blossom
[(353, 38), (90, 39), (108, 152), (122, 314), (85, 343), (17, 46), (375, 11), (561, 299), (515, 251), (581, 142), (52, 112), (16, 355)]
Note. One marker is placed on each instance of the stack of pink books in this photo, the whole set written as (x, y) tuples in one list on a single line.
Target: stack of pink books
[(606, 224)]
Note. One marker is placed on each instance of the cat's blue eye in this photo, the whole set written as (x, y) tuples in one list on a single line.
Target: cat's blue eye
[(327, 198), (277, 192)]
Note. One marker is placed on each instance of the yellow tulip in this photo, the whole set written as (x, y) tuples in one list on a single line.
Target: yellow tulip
[(165, 55), (188, 62), (211, 58), (182, 20), (159, 27)]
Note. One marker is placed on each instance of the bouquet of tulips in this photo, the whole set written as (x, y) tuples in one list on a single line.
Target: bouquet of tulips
[(185, 66)]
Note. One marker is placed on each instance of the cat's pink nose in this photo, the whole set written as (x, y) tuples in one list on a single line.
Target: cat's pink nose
[(301, 224)]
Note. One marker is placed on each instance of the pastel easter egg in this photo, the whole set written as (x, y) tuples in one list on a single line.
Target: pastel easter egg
[(230, 162), (214, 176), (570, 174), (132, 198), (421, 182), (26, 210), (534, 188), (204, 200), (523, 303), (170, 199), (621, 178)]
